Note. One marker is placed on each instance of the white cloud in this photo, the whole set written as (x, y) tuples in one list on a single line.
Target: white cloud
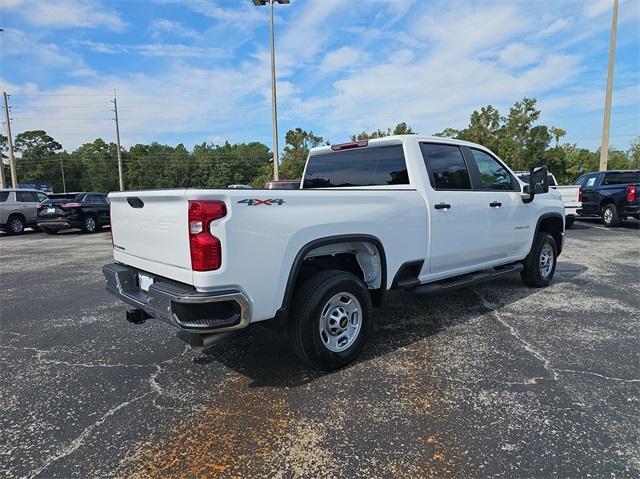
[(164, 26), (558, 24), (155, 50), (517, 55), (343, 58), (246, 14), (66, 13)]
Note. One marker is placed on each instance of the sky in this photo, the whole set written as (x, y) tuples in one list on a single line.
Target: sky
[(193, 71)]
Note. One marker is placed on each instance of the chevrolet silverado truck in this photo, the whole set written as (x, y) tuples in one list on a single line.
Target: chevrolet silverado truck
[(571, 196), (402, 212), (612, 195)]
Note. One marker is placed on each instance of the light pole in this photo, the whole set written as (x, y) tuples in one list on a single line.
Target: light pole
[(604, 147), (274, 108)]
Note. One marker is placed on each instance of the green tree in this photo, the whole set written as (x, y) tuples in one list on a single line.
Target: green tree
[(513, 135), (99, 165), (296, 151), (557, 133), (399, 129), (38, 161), (448, 133), (536, 144), (483, 128), (4, 147), (633, 153)]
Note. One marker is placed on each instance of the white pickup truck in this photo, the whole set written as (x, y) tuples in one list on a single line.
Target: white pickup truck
[(571, 196), (402, 212)]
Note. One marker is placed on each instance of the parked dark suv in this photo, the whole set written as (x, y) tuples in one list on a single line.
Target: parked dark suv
[(87, 211), (613, 195)]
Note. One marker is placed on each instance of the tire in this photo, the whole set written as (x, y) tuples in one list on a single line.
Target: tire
[(540, 272), (568, 222), (331, 340), (50, 231), (15, 225), (89, 224), (610, 216)]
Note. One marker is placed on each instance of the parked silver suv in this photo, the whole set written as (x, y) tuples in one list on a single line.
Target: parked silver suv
[(19, 209)]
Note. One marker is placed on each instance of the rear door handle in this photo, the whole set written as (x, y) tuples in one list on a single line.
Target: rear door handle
[(442, 206), (495, 204)]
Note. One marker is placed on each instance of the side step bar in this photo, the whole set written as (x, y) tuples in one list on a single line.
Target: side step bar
[(466, 279)]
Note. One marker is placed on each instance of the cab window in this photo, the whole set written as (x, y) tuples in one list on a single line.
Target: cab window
[(493, 175), (446, 166)]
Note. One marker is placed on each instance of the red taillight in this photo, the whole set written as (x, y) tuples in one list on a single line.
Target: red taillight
[(71, 205), (206, 251), (580, 194), (631, 192)]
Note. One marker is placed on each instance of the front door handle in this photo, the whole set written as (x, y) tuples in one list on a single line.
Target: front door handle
[(495, 204), (442, 206)]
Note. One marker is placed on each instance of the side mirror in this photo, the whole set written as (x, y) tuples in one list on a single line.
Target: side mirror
[(539, 176), (538, 183)]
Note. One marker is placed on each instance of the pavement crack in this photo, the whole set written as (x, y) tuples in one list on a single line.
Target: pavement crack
[(79, 441), (591, 373), (546, 363)]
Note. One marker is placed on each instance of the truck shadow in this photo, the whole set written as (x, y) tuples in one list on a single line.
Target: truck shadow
[(265, 358)]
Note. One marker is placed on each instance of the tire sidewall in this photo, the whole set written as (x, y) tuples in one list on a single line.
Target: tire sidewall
[(310, 322), (543, 240), (613, 215), (10, 224)]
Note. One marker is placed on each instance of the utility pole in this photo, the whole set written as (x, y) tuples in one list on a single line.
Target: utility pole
[(604, 147), (115, 110), (12, 158), (64, 185)]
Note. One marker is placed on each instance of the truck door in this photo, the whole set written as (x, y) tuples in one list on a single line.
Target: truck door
[(456, 220), (590, 197), (509, 223)]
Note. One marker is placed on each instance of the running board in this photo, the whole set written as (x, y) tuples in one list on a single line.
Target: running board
[(464, 280)]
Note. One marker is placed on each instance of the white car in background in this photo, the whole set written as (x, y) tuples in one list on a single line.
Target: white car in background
[(571, 196)]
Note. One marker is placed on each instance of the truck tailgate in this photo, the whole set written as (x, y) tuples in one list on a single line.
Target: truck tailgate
[(569, 194), (150, 232)]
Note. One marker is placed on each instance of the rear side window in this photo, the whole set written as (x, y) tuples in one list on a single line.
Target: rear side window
[(4, 195), (621, 178), (446, 166), (580, 181), (26, 197), (493, 175), (368, 166)]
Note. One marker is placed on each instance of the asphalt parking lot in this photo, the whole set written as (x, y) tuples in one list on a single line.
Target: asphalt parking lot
[(500, 380)]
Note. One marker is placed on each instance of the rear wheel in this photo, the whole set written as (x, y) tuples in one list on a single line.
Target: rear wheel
[(330, 319), (610, 215), (542, 266), (89, 224), (15, 225)]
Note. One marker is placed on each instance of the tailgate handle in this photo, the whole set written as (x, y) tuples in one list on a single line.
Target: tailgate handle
[(135, 202)]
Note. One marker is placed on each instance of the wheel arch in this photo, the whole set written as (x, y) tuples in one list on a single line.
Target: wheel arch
[(304, 254), (553, 224)]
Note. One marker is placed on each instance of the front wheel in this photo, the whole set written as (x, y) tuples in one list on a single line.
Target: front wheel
[(15, 225), (542, 266), (330, 319)]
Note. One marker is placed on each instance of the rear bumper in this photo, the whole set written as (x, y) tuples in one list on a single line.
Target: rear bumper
[(59, 224), (633, 210), (179, 304)]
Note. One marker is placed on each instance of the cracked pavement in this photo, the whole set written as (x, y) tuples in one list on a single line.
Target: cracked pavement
[(499, 380)]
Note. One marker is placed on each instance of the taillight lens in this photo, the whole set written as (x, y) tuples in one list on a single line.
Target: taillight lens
[(206, 251), (631, 192), (580, 194)]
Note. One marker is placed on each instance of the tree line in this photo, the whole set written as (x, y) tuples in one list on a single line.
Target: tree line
[(517, 138)]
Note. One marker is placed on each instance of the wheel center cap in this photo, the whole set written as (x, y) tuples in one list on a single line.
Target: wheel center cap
[(343, 322)]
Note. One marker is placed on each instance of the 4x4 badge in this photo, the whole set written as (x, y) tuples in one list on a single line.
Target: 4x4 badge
[(258, 202)]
